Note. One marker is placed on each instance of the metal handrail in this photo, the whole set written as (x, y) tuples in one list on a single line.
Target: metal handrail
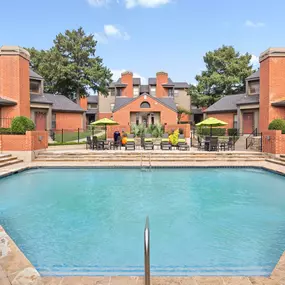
[(247, 142), (141, 160), (146, 253), (149, 161)]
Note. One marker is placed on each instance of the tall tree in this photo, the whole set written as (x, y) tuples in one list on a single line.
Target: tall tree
[(225, 74), (71, 67)]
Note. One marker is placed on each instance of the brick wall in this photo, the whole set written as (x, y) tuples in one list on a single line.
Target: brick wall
[(127, 78), (184, 127), (226, 117), (69, 121), (30, 141), (83, 103), (272, 89), (273, 142), (104, 115), (167, 116)]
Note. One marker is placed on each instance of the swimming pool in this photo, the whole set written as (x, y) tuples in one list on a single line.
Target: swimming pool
[(90, 221)]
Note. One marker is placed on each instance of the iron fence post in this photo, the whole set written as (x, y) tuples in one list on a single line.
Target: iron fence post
[(78, 135), (261, 146), (62, 136)]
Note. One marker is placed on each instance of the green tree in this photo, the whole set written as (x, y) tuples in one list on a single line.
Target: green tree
[(225, 74), (71, 67), (181, 111)]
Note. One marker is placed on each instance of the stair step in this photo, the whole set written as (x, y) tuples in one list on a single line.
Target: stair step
[(279, 162), (7, 158), (11, 162)]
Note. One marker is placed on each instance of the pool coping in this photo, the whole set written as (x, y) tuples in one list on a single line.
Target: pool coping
[(16, 269)]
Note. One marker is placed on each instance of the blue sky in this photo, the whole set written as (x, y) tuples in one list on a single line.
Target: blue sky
[(146, 36)]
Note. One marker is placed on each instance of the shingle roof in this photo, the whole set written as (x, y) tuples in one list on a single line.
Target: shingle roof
[(248, 99), (254, 76), (225, 104), (136, 81), (152, 81), (279, 104), (121, 102), (181, 85), (91, 111), (35, 75), (92, 99), (39, 99), (63, 104), (5, 102)]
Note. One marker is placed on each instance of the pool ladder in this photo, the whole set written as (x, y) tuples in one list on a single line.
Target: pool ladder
[(146, 253), (149, 165)]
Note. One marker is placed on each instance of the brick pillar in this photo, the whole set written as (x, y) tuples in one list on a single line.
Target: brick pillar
[(272, 86), (15, 80), (127, 78), (161, 78), (83, 103)]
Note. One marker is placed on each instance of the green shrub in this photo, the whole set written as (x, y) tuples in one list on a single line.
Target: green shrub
[(277, 124), (174, 137), (22, 124), (232, 132), (5, 131), (217, 132)]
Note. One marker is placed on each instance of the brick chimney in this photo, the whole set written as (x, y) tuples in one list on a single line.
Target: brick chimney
[(83, 102), (127, 78), (161, 78), (272, 86), (15, 80)]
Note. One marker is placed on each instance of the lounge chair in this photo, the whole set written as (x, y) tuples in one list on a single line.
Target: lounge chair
[(165, 145), (148, 142), (130, 145), (182, 144)]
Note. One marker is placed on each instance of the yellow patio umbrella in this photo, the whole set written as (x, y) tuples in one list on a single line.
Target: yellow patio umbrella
[(211, 122), (104, 122)]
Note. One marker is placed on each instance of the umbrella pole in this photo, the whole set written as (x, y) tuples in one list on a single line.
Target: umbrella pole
[(211, 131), (105, 132)]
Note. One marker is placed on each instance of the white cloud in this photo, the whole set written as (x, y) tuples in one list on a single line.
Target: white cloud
[(117, 74), (252, 24), (145, 3), (111, 31), (254, 61), (98, 3)]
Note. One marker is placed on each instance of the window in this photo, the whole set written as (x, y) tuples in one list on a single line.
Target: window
[(92, 106), (253, 87), (235, 122), (53, 121), (119, 92), (170, 92), (145, 105), (112, 107), (35, 86), (136, 91), (176, 93), (153, 91), (137, 119)]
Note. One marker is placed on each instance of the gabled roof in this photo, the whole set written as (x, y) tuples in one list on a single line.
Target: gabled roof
[(122, 102), (182, 85), (39, 99), (249, 99), (92, 99), (254, 76), (63, 104), (225, 104), (35, 75), (144, 89)]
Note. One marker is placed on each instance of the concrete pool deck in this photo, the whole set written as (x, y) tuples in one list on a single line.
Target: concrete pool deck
[(15, 268)]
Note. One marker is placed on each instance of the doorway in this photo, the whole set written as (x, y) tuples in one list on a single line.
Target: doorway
[(41, 121), (248, 123)]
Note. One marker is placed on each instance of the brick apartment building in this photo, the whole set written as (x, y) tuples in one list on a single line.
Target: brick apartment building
[(21, 94), (131, 102), (263, 101)]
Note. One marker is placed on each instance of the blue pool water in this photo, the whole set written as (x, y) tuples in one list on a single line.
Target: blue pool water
[(91, 221)]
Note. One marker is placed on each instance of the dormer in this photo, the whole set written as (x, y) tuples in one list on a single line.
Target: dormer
[(253, 84), (36, 83)]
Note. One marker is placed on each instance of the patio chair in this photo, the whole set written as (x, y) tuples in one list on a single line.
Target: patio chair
[(165, 144), (117, 143), (89, 143), (130, 145), (230, 144), (201, 144), (182, 144), (148, 143), (214, 144)]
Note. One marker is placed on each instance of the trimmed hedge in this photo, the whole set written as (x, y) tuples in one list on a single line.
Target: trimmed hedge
[(277, 124), (233, 132), (22, 124), (5, 131), (217, 132)]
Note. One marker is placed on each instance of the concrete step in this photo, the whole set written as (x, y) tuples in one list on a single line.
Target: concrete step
[(275, 161), (7, 158), (10, 162)]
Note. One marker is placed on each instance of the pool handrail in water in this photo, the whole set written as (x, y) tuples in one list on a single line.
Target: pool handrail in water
[(146, 253)]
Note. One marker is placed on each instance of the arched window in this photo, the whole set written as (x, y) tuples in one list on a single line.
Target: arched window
[(145, 105)]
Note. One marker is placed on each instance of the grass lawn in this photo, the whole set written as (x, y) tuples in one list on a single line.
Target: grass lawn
[(69, 136)]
